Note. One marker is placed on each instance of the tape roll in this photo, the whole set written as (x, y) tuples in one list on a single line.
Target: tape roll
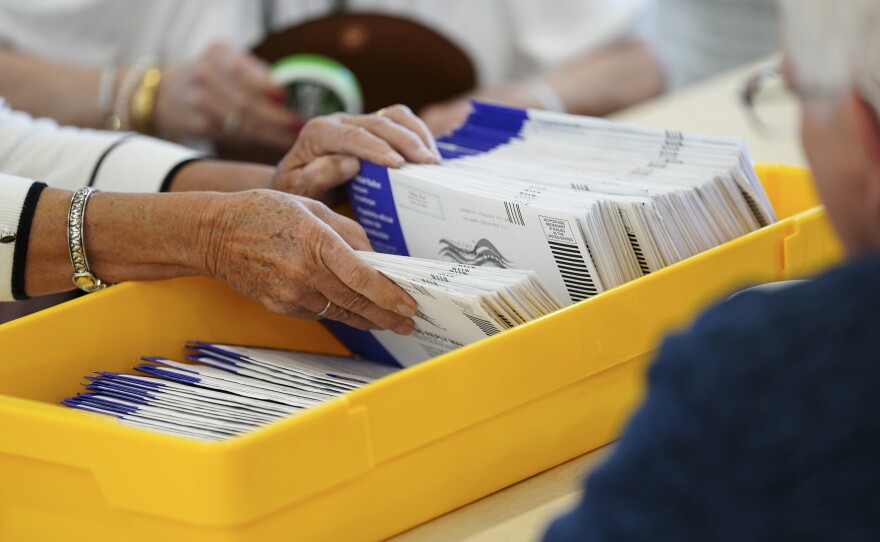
[(317, 85)]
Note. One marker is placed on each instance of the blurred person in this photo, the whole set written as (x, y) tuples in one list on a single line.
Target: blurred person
[(82, 61), (579, 56), (700, 38), (288, 252), (760, 421)]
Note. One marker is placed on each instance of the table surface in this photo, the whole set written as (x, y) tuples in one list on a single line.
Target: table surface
[(521, 512)]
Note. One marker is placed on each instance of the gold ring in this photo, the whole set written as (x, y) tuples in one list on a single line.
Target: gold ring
[(325, 310), (381, 112)]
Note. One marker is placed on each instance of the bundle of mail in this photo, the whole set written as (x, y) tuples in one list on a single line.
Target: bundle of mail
[(224, 390), (458, 304), (228, 391), (588, 204)]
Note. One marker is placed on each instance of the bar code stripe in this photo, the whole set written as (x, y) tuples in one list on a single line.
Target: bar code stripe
[(514, 213), (486, 326), (566, 249), (640, 256), (574, 271), (753, 207), (503, 319)]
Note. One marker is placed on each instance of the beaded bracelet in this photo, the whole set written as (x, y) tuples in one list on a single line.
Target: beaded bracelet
[(121, 119), (107, 89)]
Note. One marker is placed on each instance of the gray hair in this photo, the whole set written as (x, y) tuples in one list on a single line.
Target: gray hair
[(834, 46)]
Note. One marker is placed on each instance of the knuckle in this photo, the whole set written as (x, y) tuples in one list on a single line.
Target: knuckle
[(355, 302), (272, 304), (313, 126), (357, 277), (386, 123), (356, 132), (400, 109)]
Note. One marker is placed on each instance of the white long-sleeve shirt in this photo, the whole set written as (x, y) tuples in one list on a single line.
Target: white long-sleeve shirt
[(506, 39), (34, 151)]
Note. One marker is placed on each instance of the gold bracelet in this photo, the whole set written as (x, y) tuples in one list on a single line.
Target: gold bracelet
[(143, 101)]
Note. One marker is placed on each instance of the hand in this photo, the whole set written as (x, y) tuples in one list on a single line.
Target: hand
[(327, 151), (444, 117), (293, 254), (224, 95)]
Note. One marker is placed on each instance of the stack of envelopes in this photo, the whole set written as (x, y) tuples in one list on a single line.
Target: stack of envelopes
[(457, 305), (587, 203), (230, 390), (224, 390)]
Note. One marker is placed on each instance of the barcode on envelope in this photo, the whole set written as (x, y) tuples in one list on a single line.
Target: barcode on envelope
[(514, 213), (486, 326), (575, 274)]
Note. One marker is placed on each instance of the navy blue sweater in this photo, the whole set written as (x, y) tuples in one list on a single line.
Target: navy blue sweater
[(761, 423)]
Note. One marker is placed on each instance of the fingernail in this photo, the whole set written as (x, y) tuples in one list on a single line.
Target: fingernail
[(395, 159), (438, 158), (426, 155), (278, 96), (405, 328), (406, 310), (350, 167)]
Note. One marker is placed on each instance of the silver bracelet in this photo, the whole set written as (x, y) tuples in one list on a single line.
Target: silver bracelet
[(82, 275)]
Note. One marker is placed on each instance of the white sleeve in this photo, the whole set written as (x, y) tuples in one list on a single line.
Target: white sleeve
[(18, 198), (69, 158), (547, 37)]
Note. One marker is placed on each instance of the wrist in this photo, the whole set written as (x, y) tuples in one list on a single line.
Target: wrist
[(146, 236), (220, 176), (212, 229)]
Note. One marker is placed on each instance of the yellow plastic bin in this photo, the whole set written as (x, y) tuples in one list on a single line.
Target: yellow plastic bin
[(385, 458)]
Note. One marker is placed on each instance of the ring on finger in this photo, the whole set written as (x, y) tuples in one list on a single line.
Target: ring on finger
[(382, 112), (231, 123), (325, 310)]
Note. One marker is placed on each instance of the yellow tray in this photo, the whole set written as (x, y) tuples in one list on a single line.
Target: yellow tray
[(383, 459)]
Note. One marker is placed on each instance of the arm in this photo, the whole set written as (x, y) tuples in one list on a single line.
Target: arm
[(288, 253), (31, 84), (193, 99), (325, 156), (616, 77), (597, 84)]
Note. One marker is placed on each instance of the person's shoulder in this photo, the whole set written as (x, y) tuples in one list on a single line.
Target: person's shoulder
[(763, 334)]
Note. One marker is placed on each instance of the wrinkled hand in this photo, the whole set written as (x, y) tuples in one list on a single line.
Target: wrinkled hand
[(293, 254), (225, 95), (328, 149)]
